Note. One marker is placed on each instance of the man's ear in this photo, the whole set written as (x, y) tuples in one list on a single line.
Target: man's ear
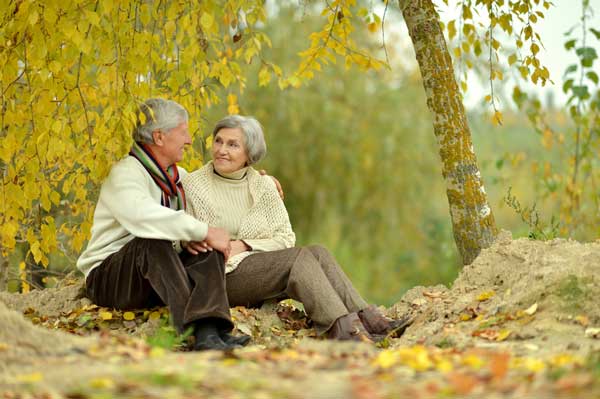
[(157, 137)]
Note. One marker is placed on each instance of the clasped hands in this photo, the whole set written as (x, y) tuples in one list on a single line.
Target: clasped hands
[(217, 239)]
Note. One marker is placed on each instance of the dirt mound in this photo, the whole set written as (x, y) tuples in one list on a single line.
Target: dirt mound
[(52, 302), (22, 343), (534, 296)]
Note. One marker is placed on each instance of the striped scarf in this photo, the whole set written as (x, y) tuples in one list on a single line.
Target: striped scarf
[(168, 180)]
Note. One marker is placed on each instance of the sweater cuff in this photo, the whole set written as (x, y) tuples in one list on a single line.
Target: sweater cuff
[(177, 246)]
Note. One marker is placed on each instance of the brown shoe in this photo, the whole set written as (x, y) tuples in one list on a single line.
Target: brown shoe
[(376, 323), (349, 328)]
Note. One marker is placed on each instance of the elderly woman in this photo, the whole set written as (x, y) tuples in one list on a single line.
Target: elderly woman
[(263, 263)]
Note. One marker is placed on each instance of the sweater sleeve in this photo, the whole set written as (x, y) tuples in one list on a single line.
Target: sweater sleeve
[(128, 197), (277, 216)]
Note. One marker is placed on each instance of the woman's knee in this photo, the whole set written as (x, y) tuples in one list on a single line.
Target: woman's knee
[(319, 250), (305, 258)]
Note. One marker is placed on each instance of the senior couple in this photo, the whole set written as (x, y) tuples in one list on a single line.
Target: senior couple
[(214, 238)]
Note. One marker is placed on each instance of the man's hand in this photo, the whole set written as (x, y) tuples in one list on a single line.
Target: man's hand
[(195, 247), (238, 246), (218, 239), (277, 184)]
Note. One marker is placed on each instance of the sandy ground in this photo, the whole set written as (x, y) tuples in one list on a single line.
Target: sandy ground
[(526, 311)]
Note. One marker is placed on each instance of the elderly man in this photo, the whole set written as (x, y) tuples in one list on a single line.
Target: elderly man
[(134, 258)]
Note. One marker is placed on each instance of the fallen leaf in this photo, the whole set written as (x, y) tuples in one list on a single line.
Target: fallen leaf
[(3, 346), (433, 294), (503, 334), (487, 333), (583, 320), (33, 377), (499, 365), (574, 381), (484, 296), (465, 317), (532, 309), (245, 328), (154, 315), (101, 383), (473, 361), (462, 383), (129, 316), (106, 315), (592, 332)]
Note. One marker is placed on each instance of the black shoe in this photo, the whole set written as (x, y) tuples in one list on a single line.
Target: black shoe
[(212, 342), (240, 340)]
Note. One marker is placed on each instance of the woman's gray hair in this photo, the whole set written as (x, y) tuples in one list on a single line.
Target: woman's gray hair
[(254, 139), (157, 114)]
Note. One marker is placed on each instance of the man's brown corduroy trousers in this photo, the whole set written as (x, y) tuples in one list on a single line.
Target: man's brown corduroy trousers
[(147, 272)]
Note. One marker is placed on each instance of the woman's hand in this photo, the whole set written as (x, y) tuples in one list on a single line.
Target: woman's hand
[(277, 184), (238, 246)]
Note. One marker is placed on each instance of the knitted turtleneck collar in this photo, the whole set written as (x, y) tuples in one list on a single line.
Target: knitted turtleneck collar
[(237, 175)]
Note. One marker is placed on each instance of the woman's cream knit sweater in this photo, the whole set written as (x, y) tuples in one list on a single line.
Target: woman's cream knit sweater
[(245, 203)]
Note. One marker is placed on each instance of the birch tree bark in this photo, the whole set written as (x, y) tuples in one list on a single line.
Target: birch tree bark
[(472, 219)]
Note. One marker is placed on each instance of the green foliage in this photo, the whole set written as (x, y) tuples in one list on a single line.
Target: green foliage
[(166, 336), (531, 217), (567, 180), (485, 43)]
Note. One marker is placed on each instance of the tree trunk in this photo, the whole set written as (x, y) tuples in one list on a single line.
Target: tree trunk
[(472, 219), (3, 273)]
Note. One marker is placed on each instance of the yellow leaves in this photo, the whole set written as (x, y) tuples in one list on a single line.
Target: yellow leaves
[(35, 251), (528, 364), (416, 358), (264, 76), (154, 315), (30, 378), (33, 18), (129, 316), (497, 118), (101, 383), (451, 29), (386, 359), (206, 20), (232, 105), (169, 29), (106, 315), (484, 296), (92, 17)]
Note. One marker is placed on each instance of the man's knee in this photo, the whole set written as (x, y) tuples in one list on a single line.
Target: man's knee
[(154, 244)]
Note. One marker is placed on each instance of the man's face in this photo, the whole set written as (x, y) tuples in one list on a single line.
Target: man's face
[(170, 146)]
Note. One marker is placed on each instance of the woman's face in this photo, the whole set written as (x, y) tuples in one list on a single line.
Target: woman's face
[(229, 150)]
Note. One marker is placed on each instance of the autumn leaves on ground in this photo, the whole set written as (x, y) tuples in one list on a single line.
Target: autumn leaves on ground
[(521, 321)]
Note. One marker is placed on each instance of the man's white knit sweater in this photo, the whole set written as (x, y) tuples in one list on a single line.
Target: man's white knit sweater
[(128, 207)]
